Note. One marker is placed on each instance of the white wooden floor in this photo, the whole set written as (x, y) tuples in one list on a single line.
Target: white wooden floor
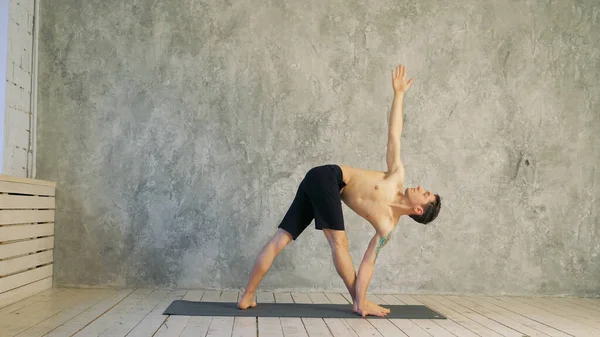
[(101, 312)]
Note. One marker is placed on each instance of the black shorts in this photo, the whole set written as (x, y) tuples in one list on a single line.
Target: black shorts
[(318, 197)]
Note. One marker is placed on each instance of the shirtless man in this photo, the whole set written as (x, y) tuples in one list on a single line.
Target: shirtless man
[(378, 197)]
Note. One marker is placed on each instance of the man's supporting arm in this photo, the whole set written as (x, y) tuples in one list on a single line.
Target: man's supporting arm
[(365, 271)]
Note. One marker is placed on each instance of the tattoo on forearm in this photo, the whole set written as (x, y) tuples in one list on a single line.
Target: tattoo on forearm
[(382, 242)]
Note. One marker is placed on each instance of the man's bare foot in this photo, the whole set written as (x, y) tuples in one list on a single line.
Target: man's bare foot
[(380, 308), (371, 308), (246, 301)]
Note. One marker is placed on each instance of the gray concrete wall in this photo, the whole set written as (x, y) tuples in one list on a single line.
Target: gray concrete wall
[(178, 132)]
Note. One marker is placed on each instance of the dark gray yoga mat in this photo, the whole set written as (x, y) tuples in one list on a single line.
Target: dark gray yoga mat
[(191, 308)]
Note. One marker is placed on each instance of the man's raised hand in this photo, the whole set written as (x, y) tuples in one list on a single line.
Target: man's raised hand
[(399, 79)]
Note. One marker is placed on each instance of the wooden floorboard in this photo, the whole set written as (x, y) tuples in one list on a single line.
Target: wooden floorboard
[(544, 316), (138, 312), (268, 326), (122, 308), (291, 326), (44, 316), (152, 322)]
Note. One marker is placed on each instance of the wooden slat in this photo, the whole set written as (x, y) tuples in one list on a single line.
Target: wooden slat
[(301, 298), (14, 217), (509, 322), (387, 328), (154, 320), (12, 266), (130, 318), (407, 326), (337, 298), (589, 303), (29, 300), (8, 201), (18, 232), (229, 296), (221, 326), (66, 316), (41, 322), (375, 299), (338, 327), (436, 327), (13, 187), (105, 322), (264, 297), (21, 279), (581, 319), (345, 327), (318, 298), (543, 316), (25, 247), (211, 296), (545, 329), (88, 315), (268, 326), (175, 325), (243, 327), (4, 177), (291, 326), (283, 298), (316, 327), (428, 325), (198, 325), (468, 319), (48, 306), (319, 326), (566, 309), (18, 294)]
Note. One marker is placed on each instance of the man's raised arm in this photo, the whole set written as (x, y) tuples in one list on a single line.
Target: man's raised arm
[(400, 86)]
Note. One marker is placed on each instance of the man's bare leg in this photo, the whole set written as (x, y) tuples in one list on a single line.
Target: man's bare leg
[(263, 262), (338, 241), (343, 263)]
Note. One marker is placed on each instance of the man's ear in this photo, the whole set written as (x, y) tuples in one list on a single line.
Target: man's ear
[(418, 210)]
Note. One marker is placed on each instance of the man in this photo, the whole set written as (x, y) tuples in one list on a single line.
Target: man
[(378, 197)]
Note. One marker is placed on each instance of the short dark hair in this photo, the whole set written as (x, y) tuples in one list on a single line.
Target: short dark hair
[(430, 211)]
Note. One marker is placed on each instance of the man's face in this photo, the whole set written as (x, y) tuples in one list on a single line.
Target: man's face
[(419, 196)]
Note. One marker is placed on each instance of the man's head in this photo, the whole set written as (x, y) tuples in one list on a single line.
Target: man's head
[(425, 205)]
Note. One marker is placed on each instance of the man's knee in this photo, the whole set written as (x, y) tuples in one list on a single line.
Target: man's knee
[(281, 239)]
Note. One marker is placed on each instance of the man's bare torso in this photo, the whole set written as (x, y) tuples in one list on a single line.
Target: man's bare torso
[(370, 194)]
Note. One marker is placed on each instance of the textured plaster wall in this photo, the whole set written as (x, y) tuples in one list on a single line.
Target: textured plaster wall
[(178, 132), (18, 150)]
